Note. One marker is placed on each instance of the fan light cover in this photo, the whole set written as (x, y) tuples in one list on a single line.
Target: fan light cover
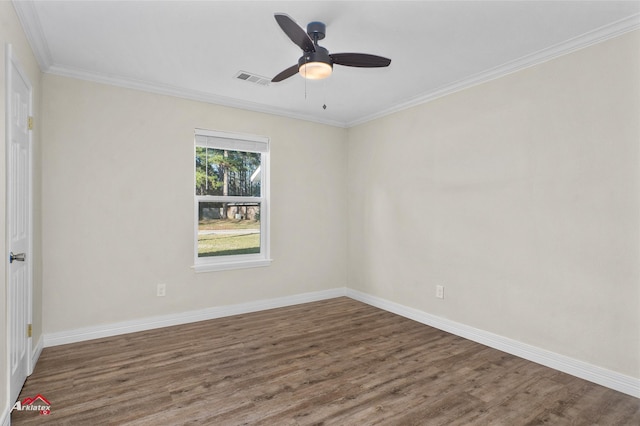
[(315, 70)]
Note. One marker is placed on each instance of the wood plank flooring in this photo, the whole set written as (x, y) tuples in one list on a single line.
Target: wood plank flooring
[(333, 362)]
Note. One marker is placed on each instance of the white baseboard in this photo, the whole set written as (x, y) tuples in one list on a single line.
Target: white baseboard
[(611, 379), (35, 353), (89, 333)]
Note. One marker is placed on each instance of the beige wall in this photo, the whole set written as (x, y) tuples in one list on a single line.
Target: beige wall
[(521, 197), (118, 203), (11, 33)]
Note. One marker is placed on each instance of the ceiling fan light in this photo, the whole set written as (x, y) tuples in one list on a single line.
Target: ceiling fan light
[(315, 65), (315, 70)]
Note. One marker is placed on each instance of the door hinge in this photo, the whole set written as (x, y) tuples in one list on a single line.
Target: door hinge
[(30, 123), (29, 330)]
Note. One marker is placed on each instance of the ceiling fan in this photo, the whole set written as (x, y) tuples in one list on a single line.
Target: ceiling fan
[(316, 62)]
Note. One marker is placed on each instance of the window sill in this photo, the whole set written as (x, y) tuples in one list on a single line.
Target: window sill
[(226, 266)]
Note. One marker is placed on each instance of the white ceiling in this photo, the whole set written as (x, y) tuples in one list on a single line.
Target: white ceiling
[(194, 49)]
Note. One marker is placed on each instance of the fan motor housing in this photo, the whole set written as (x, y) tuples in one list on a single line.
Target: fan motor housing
[(320, 55), (316, 30)]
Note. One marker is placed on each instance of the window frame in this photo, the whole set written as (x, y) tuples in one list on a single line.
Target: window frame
[(243, 143)]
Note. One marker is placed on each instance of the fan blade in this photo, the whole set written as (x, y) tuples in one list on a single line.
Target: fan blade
[(292, 70), (362, 60), (294, 32)]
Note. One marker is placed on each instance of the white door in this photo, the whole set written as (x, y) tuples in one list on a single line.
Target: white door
[(18, 223)]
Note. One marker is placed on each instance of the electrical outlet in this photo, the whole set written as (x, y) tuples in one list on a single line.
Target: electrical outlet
[(440, 292), (161, 290)]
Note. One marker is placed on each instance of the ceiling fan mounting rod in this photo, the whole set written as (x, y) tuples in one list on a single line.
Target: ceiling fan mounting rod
[(316, 30)]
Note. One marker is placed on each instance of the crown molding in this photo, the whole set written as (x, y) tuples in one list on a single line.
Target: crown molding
[(32, 27), (596, 36), (180, 92)]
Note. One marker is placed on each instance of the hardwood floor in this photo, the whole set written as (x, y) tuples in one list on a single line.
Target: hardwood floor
[(333, 362)]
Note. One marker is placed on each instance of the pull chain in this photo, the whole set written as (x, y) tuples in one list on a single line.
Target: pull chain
[(324, 94)]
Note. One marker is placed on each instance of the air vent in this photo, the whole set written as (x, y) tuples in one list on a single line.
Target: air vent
[(253, 78)]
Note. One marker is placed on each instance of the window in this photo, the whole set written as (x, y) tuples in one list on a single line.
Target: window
[(231, 201)]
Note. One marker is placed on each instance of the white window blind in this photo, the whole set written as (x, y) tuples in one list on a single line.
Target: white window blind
[(231, 141)]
